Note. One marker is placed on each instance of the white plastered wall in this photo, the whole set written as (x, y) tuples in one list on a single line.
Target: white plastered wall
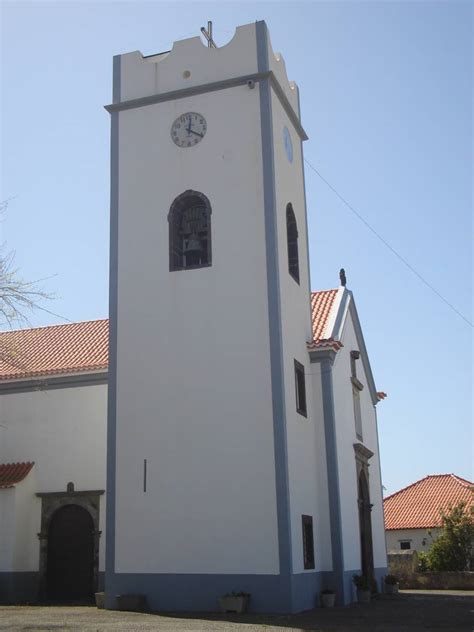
[(64, 432), (194, 393), (7, 528), (26, 525), (346, 437), (420, 539)]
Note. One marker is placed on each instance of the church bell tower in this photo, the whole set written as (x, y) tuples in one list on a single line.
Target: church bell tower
[(209, 320)]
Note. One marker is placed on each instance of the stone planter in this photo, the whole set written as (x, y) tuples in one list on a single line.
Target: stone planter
[(135, 603), (237, 604), (100, 600), (363, 596), (391, 589), (328, 600)]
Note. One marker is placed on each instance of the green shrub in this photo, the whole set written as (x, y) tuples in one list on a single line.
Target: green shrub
[(423, 562), (451, 551)]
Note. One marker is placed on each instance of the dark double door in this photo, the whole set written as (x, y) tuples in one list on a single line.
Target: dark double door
[(70, 561)]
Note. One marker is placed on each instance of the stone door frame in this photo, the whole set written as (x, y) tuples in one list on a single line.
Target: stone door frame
[(362, 457), (50, 503)]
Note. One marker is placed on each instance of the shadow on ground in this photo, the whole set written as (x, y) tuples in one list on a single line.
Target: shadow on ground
[(402, 613), (407, 613)]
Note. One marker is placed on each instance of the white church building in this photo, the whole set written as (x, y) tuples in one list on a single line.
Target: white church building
[(226, 411)]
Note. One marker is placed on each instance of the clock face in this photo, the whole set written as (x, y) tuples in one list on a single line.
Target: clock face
[(288, 144), (188, 129)]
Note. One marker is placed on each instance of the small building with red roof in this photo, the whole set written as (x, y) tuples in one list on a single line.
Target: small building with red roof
[(412, 515)]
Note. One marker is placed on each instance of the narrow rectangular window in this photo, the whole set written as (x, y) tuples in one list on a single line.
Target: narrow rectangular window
[(308, 541), (300, 388), (357, 412), (144, 475)]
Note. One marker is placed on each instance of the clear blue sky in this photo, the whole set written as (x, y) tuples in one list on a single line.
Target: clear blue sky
[(386, 102)]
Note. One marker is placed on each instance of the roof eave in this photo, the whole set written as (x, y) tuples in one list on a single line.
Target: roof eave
[(321, 352), (406, 528), (54, 380)]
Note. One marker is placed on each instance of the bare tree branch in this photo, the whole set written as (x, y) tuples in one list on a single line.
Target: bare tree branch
[(18, 298)]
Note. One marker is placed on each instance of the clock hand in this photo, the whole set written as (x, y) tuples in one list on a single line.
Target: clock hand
[(189, 130), (197, 133)]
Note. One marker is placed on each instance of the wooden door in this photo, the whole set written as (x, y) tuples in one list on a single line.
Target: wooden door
[(70, 555)]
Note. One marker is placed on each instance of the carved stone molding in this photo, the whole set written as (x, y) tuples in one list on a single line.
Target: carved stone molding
[(362, 457), (362, 454), (50, 503)]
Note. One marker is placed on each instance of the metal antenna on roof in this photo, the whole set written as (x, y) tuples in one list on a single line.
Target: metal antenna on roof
[(208, 35), (342, 276)]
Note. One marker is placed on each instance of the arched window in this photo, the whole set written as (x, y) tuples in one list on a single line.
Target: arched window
[(292, 238), (190, 231)]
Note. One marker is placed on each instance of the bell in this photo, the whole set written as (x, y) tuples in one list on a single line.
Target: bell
[(193, 244)]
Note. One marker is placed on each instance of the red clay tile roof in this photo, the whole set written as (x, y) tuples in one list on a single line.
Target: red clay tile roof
[(322, 304), (325, 343), (57, 349), (83, 347), (13, 473), (417, 506)]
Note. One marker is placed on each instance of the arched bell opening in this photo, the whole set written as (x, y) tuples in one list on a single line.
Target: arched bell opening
[(190, 231)]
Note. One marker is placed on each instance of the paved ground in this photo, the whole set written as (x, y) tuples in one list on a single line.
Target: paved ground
[(403, 613)]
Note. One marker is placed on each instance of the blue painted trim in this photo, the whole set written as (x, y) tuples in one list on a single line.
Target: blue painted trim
[(350, 591), (306, 588), (101, 581), (113, 303), (195, 592), (19, 587), (117, 79), (338, 323), (274, 314), (333, 478), (380, 489), (379, 574), (308, 262)]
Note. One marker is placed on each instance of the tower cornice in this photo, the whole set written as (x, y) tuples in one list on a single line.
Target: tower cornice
[(224, 84)]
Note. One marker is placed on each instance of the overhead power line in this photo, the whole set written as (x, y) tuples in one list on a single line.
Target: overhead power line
[(385, 242)]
